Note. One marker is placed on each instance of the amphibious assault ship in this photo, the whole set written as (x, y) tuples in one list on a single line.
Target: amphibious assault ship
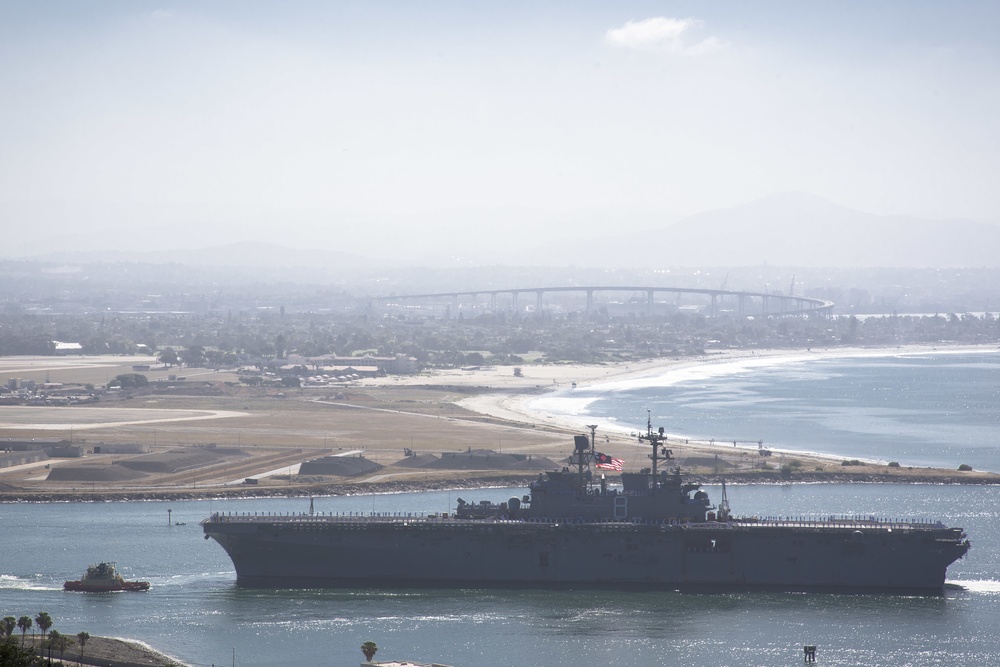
[(654, 530)]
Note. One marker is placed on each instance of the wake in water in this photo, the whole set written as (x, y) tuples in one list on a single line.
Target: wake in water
[(984, 586), (191, 578), (12, 582)]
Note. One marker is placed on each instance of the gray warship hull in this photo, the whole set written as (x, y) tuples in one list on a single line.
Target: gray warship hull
[(311, 550), (656, 531)]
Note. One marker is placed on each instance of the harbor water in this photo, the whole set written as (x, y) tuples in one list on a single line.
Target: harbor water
[(928, 409), (196, 613)]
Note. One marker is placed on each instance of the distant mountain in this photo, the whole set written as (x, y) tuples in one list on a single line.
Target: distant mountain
[(795, 229), (790, 229)]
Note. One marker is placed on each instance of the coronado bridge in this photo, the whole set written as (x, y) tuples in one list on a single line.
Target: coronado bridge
[(709, 301)]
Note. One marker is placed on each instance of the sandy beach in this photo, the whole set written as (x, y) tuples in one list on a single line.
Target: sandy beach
[(108, 652), (509, 392), (525, 399)]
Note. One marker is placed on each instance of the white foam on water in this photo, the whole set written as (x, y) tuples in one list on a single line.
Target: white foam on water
[(702, 372), (987, 586), (12, 582), (563, 405), (146, 647)]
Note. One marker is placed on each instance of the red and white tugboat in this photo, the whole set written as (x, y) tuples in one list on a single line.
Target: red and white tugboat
[(104, 578)]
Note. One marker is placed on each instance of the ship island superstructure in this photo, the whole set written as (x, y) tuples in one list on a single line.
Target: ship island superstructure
[(655, 530)]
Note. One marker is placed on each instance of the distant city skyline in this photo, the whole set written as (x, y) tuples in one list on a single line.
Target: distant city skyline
[(332, 125)]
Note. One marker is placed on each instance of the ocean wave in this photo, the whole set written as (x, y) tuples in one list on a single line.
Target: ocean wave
[(563, 405), (703, 371)]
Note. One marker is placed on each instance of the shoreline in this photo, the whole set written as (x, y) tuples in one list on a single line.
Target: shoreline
[(511, 406), (103, 651), (523, 407)]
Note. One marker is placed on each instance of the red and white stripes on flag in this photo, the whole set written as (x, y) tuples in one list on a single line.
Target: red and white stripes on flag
[(605, 462)]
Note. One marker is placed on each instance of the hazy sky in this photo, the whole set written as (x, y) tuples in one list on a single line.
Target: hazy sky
[(331, 124)]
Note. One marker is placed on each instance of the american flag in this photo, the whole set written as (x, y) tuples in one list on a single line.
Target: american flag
[(605, 462)]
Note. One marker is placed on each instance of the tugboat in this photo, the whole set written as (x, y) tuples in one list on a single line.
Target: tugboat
[(104, 578)]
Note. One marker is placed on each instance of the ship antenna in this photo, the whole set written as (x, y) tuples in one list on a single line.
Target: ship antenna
[(590, 456), (659, 453)]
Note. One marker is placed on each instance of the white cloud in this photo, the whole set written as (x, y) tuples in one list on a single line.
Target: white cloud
[(663, 34)]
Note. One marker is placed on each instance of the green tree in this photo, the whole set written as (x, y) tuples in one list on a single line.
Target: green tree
[(59, 642), (194, 355), (127, 380), (82, 638), (369, 649), (23, 624), (11, 655), (7, 625), (52, 643), (43, 621), (168, 356)]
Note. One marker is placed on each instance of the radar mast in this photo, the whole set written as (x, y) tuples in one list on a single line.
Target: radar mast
[(659, 453)]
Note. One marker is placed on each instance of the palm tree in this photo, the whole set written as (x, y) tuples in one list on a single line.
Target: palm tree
[(53, 642), (59, 642), (11, 654), (23, 624), (7, 625), (44, 622), (369, 649), (83, 638)]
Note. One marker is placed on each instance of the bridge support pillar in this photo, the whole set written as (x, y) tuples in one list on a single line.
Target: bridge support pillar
[(590, 301), (649, 301), (713, 305), (538, 303)]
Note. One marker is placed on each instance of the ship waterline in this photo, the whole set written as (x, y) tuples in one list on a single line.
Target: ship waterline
[(307, 550)]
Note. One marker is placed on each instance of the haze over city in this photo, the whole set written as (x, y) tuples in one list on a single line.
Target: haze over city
[(435, 131)]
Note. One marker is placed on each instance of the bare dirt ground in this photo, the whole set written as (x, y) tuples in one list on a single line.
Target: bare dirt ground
[(273, 432), (378, 423)]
